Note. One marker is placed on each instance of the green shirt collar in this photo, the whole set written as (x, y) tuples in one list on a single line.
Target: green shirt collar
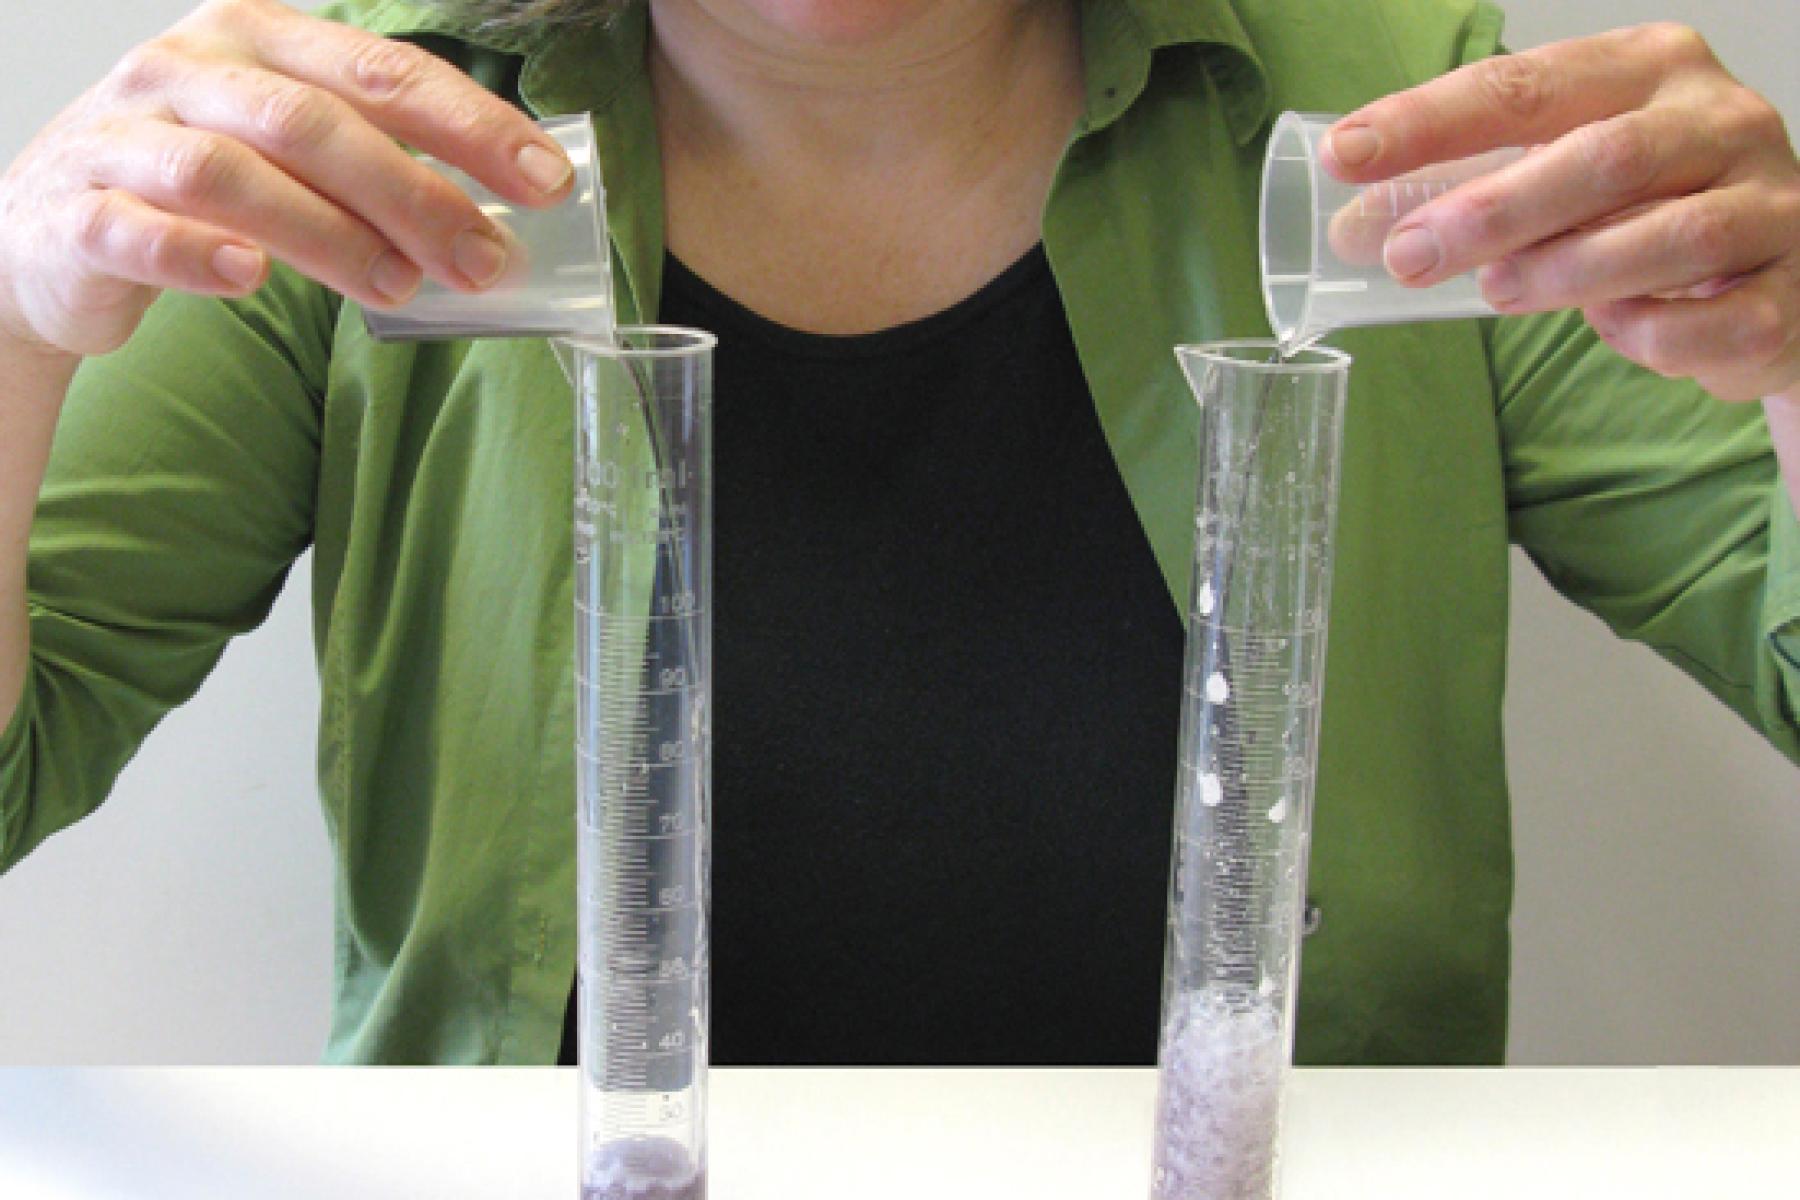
[(1119, 38), (586, 69)]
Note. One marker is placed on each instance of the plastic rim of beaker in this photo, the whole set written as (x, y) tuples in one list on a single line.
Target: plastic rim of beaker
[(1289, 190)]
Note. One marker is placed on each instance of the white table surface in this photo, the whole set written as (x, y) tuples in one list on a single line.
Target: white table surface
[(309, 1133)]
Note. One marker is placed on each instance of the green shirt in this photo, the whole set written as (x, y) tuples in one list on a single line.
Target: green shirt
[(434, 483)]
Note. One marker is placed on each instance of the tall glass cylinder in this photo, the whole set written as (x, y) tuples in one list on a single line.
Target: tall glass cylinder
[(643, 685), (1249, 745)]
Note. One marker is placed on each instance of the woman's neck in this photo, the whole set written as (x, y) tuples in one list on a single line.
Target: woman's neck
[(866, 165), (938, 79)]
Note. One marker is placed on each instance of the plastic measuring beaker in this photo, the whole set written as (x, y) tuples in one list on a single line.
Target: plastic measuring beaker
[(643, 687), (1261, 589), (558, 277), (1323, 239)]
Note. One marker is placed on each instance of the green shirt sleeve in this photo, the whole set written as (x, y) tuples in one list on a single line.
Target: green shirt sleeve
[(1651, 504), (1656, 507), (180, 489)]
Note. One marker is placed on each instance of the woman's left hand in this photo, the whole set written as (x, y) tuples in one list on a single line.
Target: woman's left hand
[(1662, 199)]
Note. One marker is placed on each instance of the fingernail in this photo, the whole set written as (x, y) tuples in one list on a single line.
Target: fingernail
[(394, 277), (546, 170), (1502, 283), (1355, 146), (479, 256), (1412, 252), (240, 266)]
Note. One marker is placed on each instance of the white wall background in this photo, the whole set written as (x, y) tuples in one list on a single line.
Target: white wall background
[(189, 921), (1658, 914), (1658, 841)]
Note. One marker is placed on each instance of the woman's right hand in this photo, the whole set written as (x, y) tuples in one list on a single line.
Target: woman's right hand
[(251, 131)]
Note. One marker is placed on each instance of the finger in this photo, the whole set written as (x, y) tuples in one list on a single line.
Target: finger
[(1693, 246), (118, 236), (420, 99), (1739, 345), (197, 174), (1584, 176), (320, 140), (1359, 230), (1512, 100)]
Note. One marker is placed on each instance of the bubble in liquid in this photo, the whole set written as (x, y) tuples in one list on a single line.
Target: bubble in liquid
[(1218, 688), (1211, 791)]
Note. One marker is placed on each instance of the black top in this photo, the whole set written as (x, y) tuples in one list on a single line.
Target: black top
[(947, 689)]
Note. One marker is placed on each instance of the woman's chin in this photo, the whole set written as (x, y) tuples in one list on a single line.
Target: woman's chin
[(830, 22)]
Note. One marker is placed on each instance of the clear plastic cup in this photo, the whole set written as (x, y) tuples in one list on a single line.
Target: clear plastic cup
[(558, 281), (1322, 239)]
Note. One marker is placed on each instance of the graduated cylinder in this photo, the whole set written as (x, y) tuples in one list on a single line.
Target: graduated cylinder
[(1249, 746), (643, 685)]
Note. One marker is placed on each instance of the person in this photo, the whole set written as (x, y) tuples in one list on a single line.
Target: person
[(948, 245)]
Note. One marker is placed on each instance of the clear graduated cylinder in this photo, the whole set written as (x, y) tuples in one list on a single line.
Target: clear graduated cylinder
[(1249, 745), (643, 676)]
